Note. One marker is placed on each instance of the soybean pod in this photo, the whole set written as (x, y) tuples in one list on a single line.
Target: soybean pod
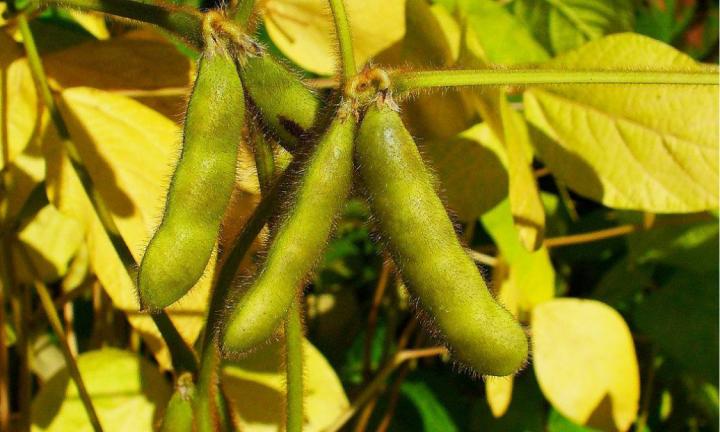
[(179, 414), (201, 185), (411, 218), (297, 241), (287, 107)]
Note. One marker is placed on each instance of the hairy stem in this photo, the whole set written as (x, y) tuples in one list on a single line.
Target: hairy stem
[(244, 14), (405, 82), (294, 366), (342, 30), (183, 22), (180, 352), (54, 320)]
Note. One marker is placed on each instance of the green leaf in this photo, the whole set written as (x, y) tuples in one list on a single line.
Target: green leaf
[(433, 414), (562, 25), (496, 36), (558, 423), (682, 319), (125, 389), (531, 274), (642, 147), (691, 247)]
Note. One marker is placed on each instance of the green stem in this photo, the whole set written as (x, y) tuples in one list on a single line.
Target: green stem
[(206, 411), (184, 22), (404, 82), (264, 159), (294, 366), (342, 29), (180, 352), (182, 356), (54, 319)]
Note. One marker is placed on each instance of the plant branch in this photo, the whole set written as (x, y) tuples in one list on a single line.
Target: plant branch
[(54, 320), (405, 82), (181, 21), (379, 382), (342, 30), (180, 352), (294, 366), (373, 316)]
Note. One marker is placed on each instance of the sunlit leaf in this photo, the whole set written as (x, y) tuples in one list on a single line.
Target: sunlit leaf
[(50, 240), (664, 137), (18, 101), (585, 362), (125, 389), (496, 36), (129, 151), (303, 30), (562, 25), (531, 276), (255, 387)]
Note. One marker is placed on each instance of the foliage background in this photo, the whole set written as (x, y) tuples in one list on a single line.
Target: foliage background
[(624, 323)]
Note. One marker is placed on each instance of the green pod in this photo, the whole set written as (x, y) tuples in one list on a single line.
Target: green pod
[(201, 184), (179, 411), (287, 107), (298, 239), (422, 241)]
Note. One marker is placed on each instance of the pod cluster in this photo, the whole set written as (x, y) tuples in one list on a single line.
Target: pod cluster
[(368, 139)]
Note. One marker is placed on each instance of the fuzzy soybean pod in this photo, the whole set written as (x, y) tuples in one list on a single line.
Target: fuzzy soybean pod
[(422, 241), (201, 185), (179, 413), (298, 239), (287, 107)]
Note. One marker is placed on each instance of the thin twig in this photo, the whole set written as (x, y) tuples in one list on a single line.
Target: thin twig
[(372, 317), (393, 398)]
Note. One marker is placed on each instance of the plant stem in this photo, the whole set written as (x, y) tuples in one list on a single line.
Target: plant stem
[(181, 21), (182, 356), (342, 30), (379, 382), (373, 316), (180, 352), (54, 319), (404, 82), (294, 366), (244, 14)]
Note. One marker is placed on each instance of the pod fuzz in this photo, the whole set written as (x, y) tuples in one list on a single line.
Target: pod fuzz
[(298, 240), (201, 185), (411, 218)]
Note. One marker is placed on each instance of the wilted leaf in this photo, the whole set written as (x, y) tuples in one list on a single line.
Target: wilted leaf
[(303, 30), (125, 389), (255, 387), (682, 318), (562, 25), (18, 101), (585, 362), (668, 156)]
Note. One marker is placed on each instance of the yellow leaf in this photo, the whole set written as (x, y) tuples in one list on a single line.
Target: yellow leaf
[(585, 362), (498, 391), (24, 173), (129, 152), (304, 31), (472, 171), (51, 239), (94, 23), (126, 391), (18, 101), (641, 147), (255, 387)]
